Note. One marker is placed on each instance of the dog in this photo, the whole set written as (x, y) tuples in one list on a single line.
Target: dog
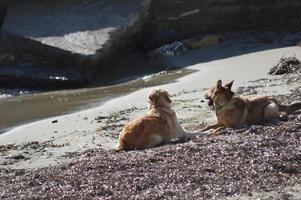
[(234, 111), (160, 125)]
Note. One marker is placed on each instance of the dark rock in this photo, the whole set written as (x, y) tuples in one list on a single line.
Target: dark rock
[(55, 121), (3, 7), (188, 17), (160, 39), (43, 78), (86, 35), (202, 41), (77, 31)]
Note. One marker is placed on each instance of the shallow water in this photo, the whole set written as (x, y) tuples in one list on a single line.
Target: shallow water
[(16, 110)]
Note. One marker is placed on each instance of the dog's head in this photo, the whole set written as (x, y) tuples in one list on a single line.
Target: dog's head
[(219, 95), (159, 97)]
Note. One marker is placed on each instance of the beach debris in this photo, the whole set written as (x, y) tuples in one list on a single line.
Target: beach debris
[(172, 49), (18, 157), (5, 148), (286, 65), (249, 90), (60, 145), (202, 41), (99, 129), (100, 118), (35, 145), (239, 161), (54, 121)]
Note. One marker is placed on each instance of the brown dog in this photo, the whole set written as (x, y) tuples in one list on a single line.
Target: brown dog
[(234, 111), (158, 126)]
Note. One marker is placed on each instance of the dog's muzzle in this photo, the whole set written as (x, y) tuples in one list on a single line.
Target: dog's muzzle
[(210, 103)]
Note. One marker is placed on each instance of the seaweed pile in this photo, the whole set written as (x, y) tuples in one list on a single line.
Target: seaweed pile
[(286, 65), (258, 158)]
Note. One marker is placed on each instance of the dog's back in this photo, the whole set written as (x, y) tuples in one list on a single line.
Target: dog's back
[(256, 109), (136, 134), (232, 110), (148, 131)]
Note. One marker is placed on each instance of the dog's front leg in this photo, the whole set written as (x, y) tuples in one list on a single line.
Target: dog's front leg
[(215, 132), (213, 126)]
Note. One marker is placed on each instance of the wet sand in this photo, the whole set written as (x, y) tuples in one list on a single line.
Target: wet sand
[(27, 108)]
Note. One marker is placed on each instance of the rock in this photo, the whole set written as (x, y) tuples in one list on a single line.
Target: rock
[(188, 17), (159, 39), (202, 41), (87, 35), (29, 71), (3, 7), (79, 32), (172, 49), (35, 77)]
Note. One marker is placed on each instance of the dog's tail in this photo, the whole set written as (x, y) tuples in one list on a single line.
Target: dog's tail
[(288, 109)]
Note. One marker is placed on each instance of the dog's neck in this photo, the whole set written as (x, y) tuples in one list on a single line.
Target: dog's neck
[(163, 107), (218, 107)]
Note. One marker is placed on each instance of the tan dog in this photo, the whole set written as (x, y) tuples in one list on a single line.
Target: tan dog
[(158, 126), (234, 111)]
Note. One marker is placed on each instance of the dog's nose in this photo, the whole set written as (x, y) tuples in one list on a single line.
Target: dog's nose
[(210, 102)]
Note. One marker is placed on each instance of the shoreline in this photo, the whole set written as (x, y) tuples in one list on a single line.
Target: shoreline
[(99, 127), (55, 103)]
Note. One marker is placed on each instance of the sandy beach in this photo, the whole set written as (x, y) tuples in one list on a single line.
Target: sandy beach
[(100, 126), (63, 139)]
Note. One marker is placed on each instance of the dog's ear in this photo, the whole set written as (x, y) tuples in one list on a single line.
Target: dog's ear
[(153, 96), (219, 84), (167, 97), (229, 85)]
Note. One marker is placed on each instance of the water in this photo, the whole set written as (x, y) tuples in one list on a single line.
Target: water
[(23, 106)]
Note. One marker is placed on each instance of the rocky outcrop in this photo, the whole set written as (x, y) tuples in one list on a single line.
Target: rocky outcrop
[(196, 16), (82, 32), (3, 7), (72, 33), (88, 35), (34, 77)]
